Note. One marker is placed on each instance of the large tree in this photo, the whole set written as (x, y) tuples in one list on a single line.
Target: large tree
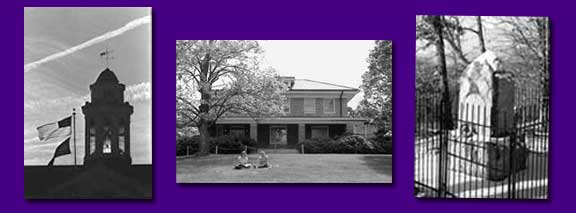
[(435, 30), (453, 32), (529, 37), (430, 76), (215, 78), (377, 87)]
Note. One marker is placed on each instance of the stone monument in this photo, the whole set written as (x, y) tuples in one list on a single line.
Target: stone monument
[(484, 140)]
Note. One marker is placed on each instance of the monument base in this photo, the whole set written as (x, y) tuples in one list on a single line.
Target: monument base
[(494, 159)]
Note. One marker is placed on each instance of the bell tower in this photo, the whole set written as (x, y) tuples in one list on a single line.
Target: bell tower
[(107, 116)]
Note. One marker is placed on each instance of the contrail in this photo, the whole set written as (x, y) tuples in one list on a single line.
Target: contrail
[(129, 26)]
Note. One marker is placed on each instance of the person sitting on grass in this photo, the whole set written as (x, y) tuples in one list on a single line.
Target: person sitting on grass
[(263, 160), (243, 162)]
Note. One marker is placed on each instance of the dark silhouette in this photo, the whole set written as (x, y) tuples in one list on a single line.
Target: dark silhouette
[(107, 171)]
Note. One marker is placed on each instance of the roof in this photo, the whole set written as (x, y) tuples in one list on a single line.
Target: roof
[(107, 76), (305, 84)]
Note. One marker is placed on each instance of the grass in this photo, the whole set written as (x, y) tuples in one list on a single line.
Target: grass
[(288, 168)]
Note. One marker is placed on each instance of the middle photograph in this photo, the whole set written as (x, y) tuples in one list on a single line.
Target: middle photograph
[(284, 111)]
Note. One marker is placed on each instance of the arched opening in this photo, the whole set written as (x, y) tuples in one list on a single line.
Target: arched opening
[(122, 138), (92, 139), (107, 143)]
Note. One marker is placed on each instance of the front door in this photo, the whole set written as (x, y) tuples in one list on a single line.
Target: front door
[(278, 135)]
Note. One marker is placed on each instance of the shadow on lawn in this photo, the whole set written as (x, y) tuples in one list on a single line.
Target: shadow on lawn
[(381, 164)]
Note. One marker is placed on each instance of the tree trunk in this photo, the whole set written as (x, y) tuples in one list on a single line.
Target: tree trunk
[(204, 148), (543, 37), (437, 23), (204, 108), (481, 34), (203, 124)]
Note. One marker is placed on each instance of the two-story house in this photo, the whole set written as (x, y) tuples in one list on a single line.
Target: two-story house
[(313, 110)]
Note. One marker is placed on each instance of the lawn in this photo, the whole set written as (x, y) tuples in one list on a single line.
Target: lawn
[(288, 168)]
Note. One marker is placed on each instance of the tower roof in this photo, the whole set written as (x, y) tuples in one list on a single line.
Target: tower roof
[(107, 76)]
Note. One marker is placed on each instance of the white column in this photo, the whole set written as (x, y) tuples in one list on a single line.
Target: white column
[(301, 132), (254, 131)]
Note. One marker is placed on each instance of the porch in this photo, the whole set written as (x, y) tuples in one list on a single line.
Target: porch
[(287, 132)]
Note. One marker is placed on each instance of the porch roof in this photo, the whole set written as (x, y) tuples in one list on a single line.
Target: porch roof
[(291, 120)]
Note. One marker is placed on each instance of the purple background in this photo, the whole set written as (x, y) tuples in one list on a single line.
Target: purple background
[(296, 19)]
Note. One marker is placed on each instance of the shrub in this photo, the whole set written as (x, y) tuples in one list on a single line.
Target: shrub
[(345, 144), (187, 142), (226, 144), (357, 143), (317, 145), (230, 144), (248, 141), (383, 144)]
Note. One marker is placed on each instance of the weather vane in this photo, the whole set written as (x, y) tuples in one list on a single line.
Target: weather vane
[(107, 56)]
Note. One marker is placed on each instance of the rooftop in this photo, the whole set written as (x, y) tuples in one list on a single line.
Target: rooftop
[(305, 84), (107, 76)]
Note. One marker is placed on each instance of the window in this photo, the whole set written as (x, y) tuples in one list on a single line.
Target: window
[(121, 138), (237, 131), (309, 105), (92, 142), (278, 135), (329, 106), (319, 132), (107, 146), (287, 105)]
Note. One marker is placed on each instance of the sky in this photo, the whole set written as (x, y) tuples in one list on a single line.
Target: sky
[(61, 60), (339, 62)]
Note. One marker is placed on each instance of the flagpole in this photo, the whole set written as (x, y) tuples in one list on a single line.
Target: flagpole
[(74, 133)]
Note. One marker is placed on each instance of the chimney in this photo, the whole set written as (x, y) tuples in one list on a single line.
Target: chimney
[(288, 80)]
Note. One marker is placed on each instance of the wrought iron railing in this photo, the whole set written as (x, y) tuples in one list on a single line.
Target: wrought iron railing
[(486, 153)]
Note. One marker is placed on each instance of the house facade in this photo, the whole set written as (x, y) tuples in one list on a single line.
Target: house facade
[(313, 110)]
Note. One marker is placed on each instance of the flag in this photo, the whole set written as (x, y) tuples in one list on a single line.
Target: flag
[(62, 149), (54, 130)]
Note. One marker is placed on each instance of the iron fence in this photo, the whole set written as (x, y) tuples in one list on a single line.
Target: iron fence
[(486, 152)]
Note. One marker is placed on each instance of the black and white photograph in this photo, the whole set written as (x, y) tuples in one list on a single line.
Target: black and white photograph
[(284, 111), (482, 107), (87, 103)]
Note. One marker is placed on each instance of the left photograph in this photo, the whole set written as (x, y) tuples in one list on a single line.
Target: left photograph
[(87, 103)]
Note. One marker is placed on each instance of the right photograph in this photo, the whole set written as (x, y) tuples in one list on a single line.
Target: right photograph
[(482, 107)]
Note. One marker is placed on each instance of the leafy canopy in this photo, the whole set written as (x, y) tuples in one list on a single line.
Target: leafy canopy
[(217, 78)]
